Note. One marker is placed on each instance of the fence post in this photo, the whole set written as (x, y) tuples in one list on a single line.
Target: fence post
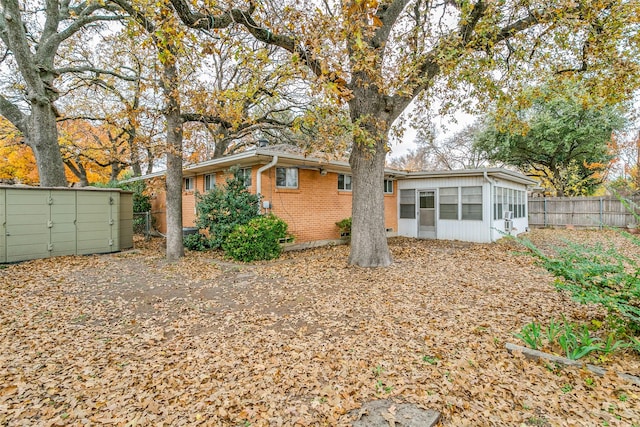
[(545, 212), (147, 225), (601, 214)]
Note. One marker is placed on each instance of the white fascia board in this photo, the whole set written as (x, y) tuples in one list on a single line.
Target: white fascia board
[(495, 172)]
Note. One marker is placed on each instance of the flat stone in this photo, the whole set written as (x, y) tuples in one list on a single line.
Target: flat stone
[(385, 413)]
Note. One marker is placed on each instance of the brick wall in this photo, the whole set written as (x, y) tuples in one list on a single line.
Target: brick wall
[(316, 205), (311, 210)]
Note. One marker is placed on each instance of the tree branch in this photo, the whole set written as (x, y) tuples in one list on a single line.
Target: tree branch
[(12, 113), (204, 118), (97, 71), (244, 18)]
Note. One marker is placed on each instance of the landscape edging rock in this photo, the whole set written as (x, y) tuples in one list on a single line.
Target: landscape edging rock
[(535, 354)]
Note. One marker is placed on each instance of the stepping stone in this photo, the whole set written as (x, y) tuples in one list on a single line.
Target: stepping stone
[(385, 413)]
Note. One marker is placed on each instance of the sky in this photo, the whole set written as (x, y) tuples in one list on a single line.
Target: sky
[(445, 127)]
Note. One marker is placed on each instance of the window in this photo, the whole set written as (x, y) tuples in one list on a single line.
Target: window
[(497, 203), (471, 203), (407, 204), (209, 182), (245, 174), (344, 182), (507, 199), (388, 186), (287, 177), (523, 204), (449, 203), (189, 184), (510, 200)]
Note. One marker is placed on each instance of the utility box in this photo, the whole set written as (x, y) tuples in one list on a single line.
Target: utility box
[(40, 222)]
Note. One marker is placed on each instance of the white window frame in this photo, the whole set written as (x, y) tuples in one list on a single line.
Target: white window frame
[(466, 216), (209, 181), (386, 183), (442, 195), (509, 200), (290, 173), (189, 183), (346, 186), (407, 204), (246, 176)]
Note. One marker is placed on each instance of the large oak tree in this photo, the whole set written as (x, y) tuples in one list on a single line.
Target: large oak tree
[(31, 34), (378, 56)]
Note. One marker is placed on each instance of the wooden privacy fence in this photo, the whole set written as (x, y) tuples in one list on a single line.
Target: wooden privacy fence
[(580, 212)]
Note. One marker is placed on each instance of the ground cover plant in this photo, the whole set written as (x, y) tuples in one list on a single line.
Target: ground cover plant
[(129, 339), (571, 340), (597, 274)]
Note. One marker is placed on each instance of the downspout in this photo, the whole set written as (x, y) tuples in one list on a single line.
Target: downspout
[(269, 165), (491, 202)]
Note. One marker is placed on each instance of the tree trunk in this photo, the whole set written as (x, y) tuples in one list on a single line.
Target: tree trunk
[(42, 137), (150, 160), (175, 248), (368, 233), (133, 150), (116, 168), (79, 171)]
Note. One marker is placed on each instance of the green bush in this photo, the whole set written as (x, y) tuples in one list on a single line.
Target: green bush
[(221, 210), (141, 202), (259, 239), (597, 275), (195, 242), (345, 228)]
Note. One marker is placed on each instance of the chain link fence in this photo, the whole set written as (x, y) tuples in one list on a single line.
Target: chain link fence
[(142, 224)]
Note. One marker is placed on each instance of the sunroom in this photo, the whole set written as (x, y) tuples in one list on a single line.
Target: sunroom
[(473, 205)]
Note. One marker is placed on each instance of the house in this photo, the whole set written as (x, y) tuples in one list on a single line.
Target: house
[(313, 192)]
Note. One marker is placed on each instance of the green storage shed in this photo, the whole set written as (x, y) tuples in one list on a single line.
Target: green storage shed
[(43, 222)]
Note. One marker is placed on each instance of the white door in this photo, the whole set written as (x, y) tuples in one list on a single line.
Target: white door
[(427, 214)]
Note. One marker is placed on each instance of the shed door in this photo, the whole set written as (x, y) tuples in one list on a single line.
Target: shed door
[(27, 231), (427, 214)]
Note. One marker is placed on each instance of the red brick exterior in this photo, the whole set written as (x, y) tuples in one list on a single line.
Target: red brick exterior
[(311, 210)]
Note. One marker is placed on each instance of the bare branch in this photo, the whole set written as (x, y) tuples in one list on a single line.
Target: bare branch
[(244, 18), (97, 72), (12, 113)]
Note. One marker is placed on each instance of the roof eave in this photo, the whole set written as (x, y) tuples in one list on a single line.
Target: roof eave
[(492, 172)]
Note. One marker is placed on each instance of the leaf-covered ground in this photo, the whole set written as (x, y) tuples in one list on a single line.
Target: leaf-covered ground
[(127, 339)]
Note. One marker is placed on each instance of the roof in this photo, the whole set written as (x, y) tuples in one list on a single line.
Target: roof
[(287, 155), (501, 173), (35, 187), (290, 155)]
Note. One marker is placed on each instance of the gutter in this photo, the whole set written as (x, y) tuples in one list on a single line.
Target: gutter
[(269, 165), (491, 201)]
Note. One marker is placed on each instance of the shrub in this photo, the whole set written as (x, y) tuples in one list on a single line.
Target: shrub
[(221, 210), (195, 242), (345, 228), (259, 239)]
